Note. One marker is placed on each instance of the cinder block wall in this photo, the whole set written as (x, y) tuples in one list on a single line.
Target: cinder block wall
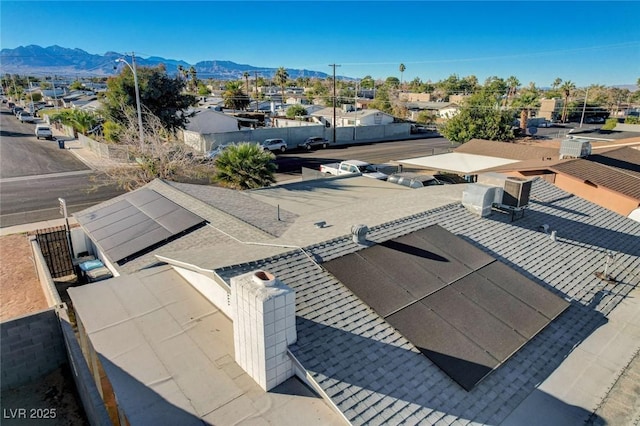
[(31, 346)]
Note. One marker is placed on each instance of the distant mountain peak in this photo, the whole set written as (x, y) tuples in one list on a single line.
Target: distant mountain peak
[(36, 60)]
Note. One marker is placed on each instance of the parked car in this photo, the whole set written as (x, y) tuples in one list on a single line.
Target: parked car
[(217, 151), (26, 117), (353, 167), (274, 145), (16, 110), (414, 180), (43, 131), (314, 142)]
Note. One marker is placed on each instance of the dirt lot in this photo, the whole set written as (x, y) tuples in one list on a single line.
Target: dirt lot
[(20, 290)]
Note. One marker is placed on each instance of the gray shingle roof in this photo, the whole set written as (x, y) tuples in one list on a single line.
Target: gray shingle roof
[(374, 375)]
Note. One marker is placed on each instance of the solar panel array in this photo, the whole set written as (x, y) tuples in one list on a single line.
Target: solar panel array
[(140, 220), (463, 309)]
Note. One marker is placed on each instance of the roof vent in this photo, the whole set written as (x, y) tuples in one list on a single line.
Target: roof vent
[(359, 234)]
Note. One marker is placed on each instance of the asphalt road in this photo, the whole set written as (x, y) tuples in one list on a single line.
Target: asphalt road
[(290, 163), (35, 173)]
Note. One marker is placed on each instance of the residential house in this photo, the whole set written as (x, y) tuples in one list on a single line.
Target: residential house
[(501, 334), (439, 110), (609, 175), (367, 117)]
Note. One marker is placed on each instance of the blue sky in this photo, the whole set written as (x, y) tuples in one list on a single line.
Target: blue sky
[(587, 42)]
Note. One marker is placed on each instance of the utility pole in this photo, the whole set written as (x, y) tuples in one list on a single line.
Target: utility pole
[(256, 74), (334, 100), (584, 106)]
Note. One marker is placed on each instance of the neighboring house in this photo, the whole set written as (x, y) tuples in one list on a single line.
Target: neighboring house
[(610, 178), (550, 109), (208, 121), (438, 109), (368, 117), (481, 320)]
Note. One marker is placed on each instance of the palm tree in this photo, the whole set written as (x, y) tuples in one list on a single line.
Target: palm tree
[(234, 97), (556, 83), (194, 79), (281, 78), (527, 101), (512, 85), (567, 87), (402, 69), (246, 79), (245, 166)]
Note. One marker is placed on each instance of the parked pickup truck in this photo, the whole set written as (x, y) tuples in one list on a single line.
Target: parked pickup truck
[(352, 167)]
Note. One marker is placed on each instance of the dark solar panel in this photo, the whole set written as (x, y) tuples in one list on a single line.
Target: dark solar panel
[(456, 354), (370, 283), (141, 220), (464, 310)]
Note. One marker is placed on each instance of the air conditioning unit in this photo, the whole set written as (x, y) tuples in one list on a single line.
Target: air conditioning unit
[(516, 192)]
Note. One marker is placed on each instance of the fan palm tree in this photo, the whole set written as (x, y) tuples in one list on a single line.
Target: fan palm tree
[(527, 101), (567, 87), (281, 78), (402, 69), (245, 166), (246, 79), (512, 85), (556, 83), (234, 97)]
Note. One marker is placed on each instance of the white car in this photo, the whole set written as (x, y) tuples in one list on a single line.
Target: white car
[(26, 117), (211, 155), (43, 131), (274, 145)]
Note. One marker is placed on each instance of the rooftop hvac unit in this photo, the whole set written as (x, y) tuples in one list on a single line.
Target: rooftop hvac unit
[(479, 199), (574, 148), (516, 192)]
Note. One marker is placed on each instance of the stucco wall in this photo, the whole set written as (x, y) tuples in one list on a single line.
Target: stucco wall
[(297, 135), (598, 195)]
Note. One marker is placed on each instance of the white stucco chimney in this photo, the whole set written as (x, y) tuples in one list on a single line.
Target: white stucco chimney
[(264, 325)]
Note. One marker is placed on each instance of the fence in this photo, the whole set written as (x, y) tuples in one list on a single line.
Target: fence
[(119, 153), (54, 245)]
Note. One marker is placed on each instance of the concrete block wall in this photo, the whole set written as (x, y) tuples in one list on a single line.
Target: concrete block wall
[(32, 346)]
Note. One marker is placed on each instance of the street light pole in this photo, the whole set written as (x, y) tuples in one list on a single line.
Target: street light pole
[(334, 100), (137, 89)]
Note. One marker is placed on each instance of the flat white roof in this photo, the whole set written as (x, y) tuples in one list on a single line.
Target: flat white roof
[(458, 162), (168, 353)]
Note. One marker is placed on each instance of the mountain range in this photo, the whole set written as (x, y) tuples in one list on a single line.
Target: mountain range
[(55, 60)]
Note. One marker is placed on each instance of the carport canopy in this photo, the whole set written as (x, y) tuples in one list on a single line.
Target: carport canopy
[(457, 162)]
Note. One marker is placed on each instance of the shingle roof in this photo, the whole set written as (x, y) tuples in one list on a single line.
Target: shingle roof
[(374, 375), (617, 170)]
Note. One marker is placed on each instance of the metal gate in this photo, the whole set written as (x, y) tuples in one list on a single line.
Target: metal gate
[(55, 249)]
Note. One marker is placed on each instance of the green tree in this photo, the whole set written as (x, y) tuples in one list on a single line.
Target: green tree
[(296, 111), (160, 95), (367, 82), (281, 78), (381, 101), (392, 82), (480, 117), (76, 85), (402, 70), (556, 83), (245, 166), (234, 97)]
